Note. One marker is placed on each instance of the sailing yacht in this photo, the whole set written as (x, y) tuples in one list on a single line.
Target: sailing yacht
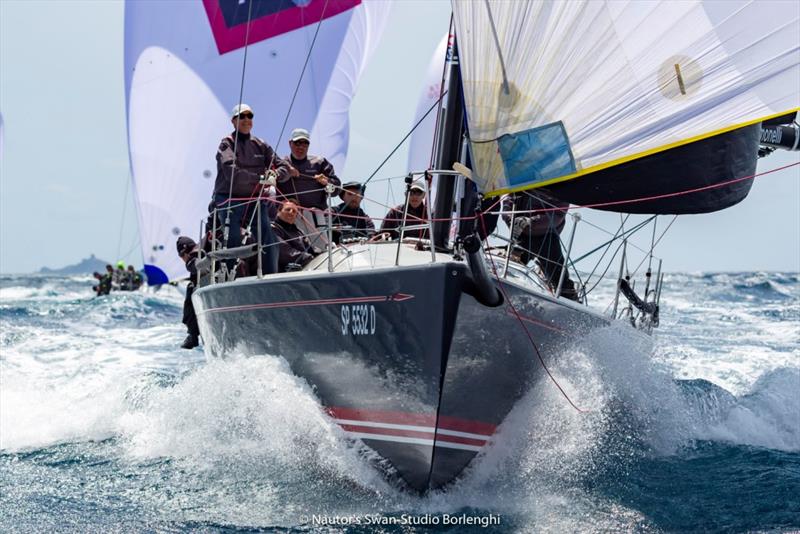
[(420, 347)]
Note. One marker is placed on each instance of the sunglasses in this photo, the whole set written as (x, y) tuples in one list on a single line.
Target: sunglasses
[(300, 142), (417, 192), (245, 115)]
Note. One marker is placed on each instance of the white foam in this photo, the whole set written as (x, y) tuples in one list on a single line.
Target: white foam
[(238, 411), (768, 416)]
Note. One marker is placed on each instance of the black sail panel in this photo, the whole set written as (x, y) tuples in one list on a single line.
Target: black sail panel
[(702, 164)]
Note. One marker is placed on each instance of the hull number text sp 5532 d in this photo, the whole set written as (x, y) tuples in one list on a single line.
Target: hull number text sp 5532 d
[(358, 319)]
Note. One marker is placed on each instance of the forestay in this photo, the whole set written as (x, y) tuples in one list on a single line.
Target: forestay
[(558, 90), (184, 67)]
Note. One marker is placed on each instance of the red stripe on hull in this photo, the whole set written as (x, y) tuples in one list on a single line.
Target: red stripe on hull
[(396, 418)]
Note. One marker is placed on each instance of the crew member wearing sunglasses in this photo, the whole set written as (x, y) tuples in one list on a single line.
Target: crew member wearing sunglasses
[(416, 215), (309, 174), (242, 160)]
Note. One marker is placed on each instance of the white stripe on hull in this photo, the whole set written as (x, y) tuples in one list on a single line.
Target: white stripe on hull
[(414, 441), (429, 429)]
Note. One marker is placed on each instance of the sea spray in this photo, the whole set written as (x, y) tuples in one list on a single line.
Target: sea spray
[(106, 425)]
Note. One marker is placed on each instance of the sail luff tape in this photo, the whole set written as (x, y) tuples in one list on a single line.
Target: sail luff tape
[(680, 78)]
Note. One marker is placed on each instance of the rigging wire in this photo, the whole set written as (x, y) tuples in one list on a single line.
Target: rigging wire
[(403, 140), (674, 218), (261, 188), (448, 50), (626, 234), (606, 248), (227, 224), (124, 208), (133, 247), (302, 73)]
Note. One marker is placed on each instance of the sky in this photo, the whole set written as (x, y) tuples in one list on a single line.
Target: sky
[(64, 170)]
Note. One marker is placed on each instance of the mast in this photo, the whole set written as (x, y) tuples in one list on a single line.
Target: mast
[(448, 148)]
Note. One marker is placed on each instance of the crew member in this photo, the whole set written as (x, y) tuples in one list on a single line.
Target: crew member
[(416, 215), (349, 216), (308, 174), (188, 251), (536, 235), (103, 286), (118, 277), (294, 245), (242, 160), (135, 278), (110, 273)]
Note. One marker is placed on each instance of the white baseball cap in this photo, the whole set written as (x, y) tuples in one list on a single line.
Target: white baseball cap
[(300, 133), (241, 108)]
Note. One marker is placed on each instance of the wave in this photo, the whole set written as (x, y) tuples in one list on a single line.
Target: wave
[(248, 443), (766, 417), (668, 413)]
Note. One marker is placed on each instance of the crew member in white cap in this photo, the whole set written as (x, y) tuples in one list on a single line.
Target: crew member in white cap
[(309, 174), (416, 215), (242, 160)]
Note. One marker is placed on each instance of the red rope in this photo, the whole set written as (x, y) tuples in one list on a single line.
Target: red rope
[(527, 332), (544, 210), (675, 194)]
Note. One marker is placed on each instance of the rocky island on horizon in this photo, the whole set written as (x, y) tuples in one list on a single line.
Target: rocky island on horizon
[(85, 266)]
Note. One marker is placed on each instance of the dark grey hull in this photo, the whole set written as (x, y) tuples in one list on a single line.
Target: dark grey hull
[(401, 358)]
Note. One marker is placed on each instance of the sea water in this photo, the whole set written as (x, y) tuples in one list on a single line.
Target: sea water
[(107, 426)]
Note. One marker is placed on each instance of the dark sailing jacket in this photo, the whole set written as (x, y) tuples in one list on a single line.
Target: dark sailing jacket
[(253, 158), (294, 246), (359, 222), (394, 218), (104, 285), (537, 224), (308, 192)]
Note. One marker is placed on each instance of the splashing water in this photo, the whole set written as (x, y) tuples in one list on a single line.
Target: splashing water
[(105, 424)]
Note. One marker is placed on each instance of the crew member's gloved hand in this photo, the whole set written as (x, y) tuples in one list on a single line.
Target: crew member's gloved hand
[(270, 178), (520, 225)]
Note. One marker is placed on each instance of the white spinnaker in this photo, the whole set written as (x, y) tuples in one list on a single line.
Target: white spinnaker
[(181, 89), (421, 143), (607, 71)]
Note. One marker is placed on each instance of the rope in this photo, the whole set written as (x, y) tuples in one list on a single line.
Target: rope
[(573, 207), (527, 332), (686, 191)]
